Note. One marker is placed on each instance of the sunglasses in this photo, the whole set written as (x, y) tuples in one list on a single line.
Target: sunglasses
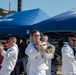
[(73, 40)]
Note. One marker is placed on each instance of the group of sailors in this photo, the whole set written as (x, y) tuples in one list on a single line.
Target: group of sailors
[(39, 56)]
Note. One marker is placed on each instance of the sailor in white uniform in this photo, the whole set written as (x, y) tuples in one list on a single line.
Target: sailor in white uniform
[(38, 57), (10, 57), (69, 57)]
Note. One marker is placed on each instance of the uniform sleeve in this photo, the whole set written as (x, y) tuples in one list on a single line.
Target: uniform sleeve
[(67, 55), (31, 52), (49, 55), (9, 53)]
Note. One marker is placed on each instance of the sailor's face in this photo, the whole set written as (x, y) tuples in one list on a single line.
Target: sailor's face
[(46, 38), (73, 41), (10, 41), (36, 36)]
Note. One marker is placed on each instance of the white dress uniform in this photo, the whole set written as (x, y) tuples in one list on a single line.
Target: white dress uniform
[(38, 64), (9, 61), (68, 60)]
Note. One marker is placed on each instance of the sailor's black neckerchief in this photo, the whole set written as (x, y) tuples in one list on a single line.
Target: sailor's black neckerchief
[(36, 48)]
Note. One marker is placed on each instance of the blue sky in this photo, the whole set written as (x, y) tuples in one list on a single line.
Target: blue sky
[(51, 7)]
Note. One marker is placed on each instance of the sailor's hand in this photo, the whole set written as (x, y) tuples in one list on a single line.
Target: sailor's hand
[(1, 48)]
